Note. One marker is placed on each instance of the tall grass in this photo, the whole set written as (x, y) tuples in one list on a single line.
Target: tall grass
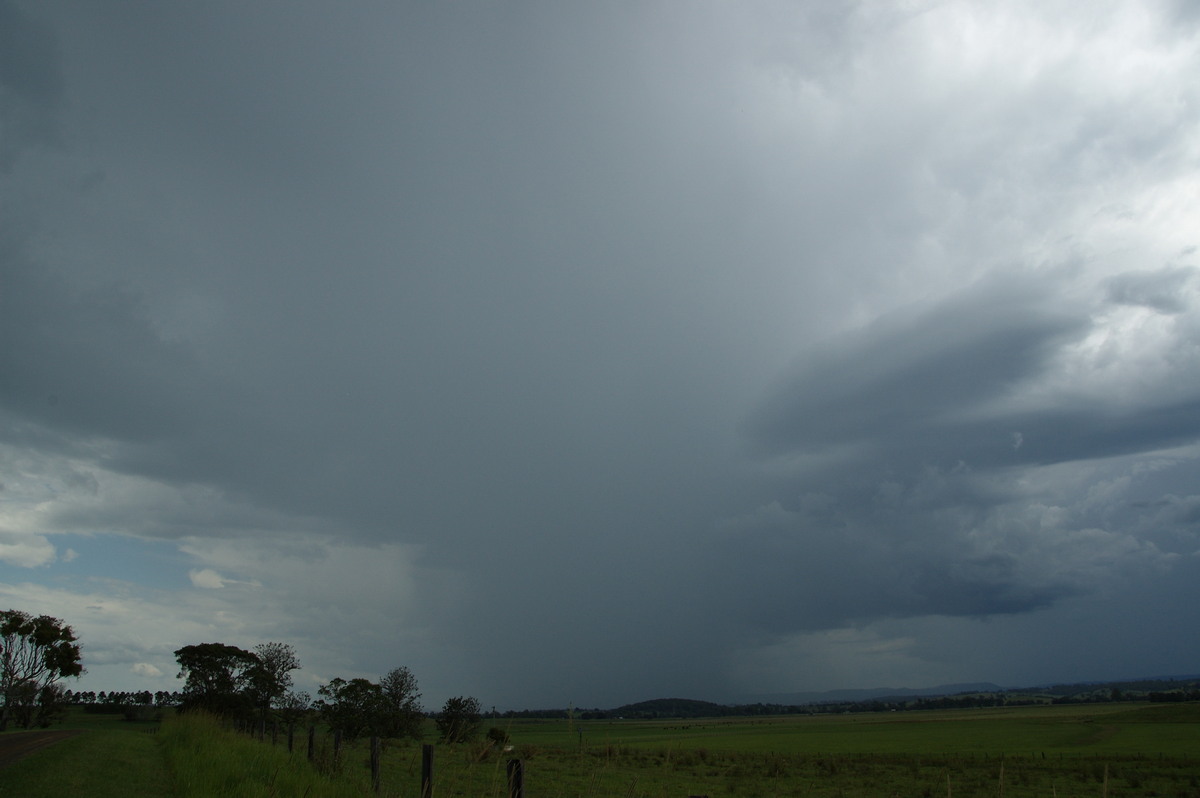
[(207, 760)]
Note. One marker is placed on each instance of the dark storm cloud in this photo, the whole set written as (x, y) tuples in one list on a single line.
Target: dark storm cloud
[(913, 439), (30, 84), (467, 302), (904, 379), (878, 545), (941, 385), (1159, 290), (86, 365)]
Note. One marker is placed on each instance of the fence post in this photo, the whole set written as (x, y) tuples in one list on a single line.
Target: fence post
[(312, 733), (375, 763), (274, 731), (291, 736), (516, 778), (337, 745), (426, 771)]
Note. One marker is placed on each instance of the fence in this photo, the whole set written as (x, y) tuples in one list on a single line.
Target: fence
[(515, 768)]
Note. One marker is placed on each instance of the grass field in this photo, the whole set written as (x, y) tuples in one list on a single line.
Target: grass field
[(1058, 751)]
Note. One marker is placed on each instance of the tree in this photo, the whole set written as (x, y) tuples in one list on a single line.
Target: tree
[(354, 707), (360, 707), (273, 677), (33, 707), (459, 719), (401, 704), (293, 707), (34, 654), (220, 678)]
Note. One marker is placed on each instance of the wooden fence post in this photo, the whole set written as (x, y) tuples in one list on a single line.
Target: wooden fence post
[(291, 736), (375, 763), (337, 745), (427, 771), (516, 778), (312, 733)]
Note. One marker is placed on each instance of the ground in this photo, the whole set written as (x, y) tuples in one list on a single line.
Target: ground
[(17, 745)]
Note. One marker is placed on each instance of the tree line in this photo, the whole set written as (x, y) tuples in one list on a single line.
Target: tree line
[(37, 652), (257, 685)]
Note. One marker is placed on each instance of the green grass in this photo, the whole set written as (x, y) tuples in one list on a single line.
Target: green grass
[(100, 763), (206, 760), (1113, 750)]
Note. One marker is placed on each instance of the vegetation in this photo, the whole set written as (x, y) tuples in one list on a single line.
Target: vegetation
[(271, 678), (110, 758), (459, 720), (1070, 740), (220, 679), (360, 707), (205, 759), (1127, 749), (35, 653)]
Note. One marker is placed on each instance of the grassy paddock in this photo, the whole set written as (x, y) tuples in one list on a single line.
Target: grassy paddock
[(1077, 750), (1104, 750), (103, 762)]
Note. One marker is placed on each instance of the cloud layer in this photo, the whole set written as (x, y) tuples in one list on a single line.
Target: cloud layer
[(588, 354)]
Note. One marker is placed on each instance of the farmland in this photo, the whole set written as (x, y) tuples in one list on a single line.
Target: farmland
[(1053, 750), (1113, 749)]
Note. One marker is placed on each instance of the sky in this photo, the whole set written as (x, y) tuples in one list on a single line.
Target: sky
[(587, 353)]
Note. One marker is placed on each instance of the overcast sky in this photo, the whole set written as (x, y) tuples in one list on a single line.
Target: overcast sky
[(585, 353)]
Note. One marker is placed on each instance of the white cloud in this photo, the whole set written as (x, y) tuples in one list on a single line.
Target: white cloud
[(206, 578), (145, 669), (25, 550)]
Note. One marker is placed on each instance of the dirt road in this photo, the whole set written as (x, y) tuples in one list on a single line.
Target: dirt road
[(15, 745)]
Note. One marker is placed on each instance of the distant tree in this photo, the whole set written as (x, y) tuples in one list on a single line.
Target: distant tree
[(401, 704), (219, 678), (34, 654), (272, 678), (459, 719)]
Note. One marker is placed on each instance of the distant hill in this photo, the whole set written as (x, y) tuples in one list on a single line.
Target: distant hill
[(1144, 685), (964, 695), (779, 704), (671, 708), (878, 693)]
